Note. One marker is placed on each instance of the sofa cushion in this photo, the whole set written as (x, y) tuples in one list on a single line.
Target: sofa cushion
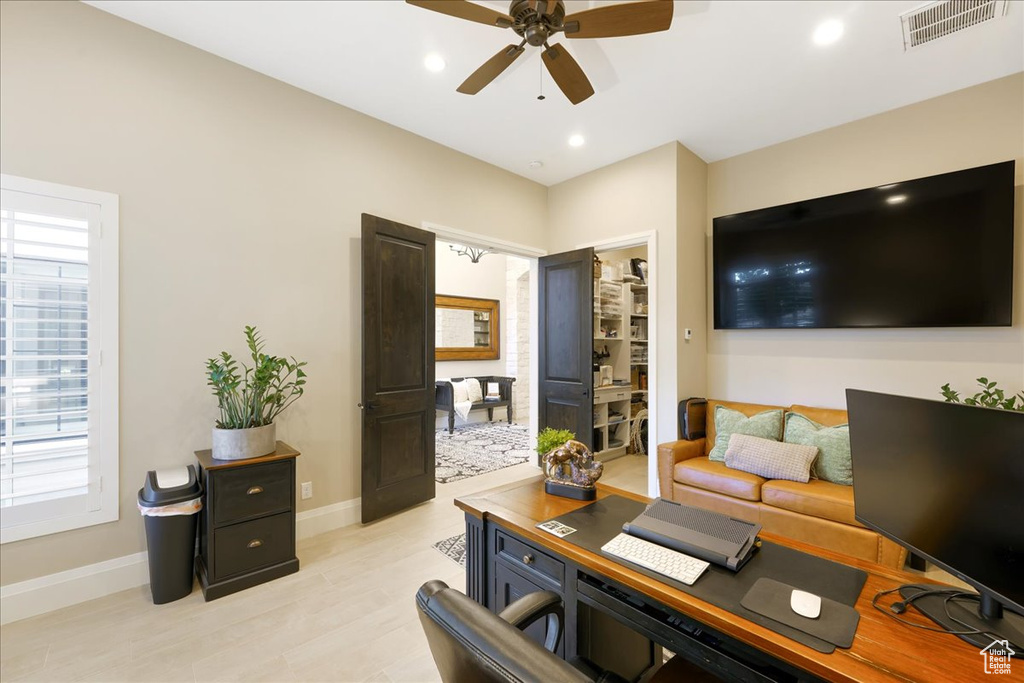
[(816, 498), (830, 417), (715, 476), (766, 425), (712, 405), (769, 458), (834, 462)]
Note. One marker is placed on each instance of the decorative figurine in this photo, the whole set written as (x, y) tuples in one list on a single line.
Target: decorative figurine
[(572, 472)]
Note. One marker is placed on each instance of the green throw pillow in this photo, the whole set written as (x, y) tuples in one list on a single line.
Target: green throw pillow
[(766, 425), (833, 462)]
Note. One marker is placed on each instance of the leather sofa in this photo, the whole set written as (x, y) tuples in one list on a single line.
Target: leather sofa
[(819, 513)]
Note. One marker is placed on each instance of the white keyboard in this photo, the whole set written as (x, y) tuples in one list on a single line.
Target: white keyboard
[(671, 563)]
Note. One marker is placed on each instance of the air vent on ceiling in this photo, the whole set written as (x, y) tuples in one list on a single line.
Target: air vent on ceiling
[(939, 19)]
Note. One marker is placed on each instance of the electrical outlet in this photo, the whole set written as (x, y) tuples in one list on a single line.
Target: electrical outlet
[(307, 490)]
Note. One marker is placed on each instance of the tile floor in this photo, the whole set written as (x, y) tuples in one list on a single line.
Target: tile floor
[(347, 615)]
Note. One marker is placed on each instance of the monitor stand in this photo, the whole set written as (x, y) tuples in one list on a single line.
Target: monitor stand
[(988, 616)]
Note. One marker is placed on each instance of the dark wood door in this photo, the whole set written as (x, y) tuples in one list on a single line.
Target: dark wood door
[(398, 367), (566, 333)]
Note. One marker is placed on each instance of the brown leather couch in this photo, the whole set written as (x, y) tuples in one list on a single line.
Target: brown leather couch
[(819, 512)]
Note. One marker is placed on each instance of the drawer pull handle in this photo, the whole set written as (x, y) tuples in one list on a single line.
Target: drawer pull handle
[(255, 543), (253, 490), (527, 559)]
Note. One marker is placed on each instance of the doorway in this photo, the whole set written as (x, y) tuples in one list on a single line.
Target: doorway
[(496, 428)]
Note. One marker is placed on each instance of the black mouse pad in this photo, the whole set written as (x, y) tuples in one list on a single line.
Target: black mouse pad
[(599, 522), (836, 623)]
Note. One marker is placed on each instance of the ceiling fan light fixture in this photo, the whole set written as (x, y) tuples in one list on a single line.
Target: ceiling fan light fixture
[(576, 140), (434, 63)]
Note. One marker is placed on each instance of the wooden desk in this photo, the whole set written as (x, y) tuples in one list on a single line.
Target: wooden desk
[(506, 555)]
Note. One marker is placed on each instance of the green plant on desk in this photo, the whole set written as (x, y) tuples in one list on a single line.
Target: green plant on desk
[(548, 439), (990, 396)]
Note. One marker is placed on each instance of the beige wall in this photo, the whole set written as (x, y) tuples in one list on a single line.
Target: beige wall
[(240, 201), (972, 127), (629, 197), (691, 217)]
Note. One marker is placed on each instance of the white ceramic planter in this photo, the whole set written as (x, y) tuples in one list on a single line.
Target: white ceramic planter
[(239, 444)]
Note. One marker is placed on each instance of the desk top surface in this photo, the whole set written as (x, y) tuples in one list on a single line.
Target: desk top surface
[(883, 650)]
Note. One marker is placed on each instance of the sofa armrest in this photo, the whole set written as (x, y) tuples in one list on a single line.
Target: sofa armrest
[(671, 453)]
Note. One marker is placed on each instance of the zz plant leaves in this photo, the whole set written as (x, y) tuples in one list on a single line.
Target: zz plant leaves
[(254, 396)]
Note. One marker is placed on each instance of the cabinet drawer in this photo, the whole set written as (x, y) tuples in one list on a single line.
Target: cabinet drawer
[(529, 559), (251, 491), (609, 395), (509, 586), (250, 545)]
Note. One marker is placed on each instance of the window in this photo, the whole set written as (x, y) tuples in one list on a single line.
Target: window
[(58, 358)]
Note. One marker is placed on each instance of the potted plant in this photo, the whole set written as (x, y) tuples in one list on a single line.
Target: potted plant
[(549, 439), (250, 399), (990, 396)]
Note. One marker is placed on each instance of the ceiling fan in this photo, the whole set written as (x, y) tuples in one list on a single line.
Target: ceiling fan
[(535, 21)]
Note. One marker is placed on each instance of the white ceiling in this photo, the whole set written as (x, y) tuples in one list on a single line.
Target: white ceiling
[(727, 78)]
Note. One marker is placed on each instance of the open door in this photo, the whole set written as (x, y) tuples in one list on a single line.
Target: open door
[(566, 335), (398, 367)]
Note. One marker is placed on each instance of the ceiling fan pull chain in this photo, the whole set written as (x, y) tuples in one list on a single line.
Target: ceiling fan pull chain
[(540, 68)]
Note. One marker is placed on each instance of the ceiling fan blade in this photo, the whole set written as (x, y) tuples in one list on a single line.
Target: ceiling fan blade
[(568, 75), (465, 10), (626, 19), (490, 70)]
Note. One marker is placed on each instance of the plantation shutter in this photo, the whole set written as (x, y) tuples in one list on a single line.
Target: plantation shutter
[(49, 459)]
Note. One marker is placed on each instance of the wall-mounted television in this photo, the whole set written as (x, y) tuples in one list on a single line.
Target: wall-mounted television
[(932, 252)]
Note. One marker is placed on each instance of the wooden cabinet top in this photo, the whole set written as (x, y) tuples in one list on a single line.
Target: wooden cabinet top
[(282, 452), (883, 650)]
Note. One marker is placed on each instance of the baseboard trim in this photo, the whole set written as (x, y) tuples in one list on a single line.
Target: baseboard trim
[(327, 518), (52, 592), (63, 589)]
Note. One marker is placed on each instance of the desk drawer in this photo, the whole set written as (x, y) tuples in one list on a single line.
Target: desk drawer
[(250, 545), (529, 559), (251, 491)]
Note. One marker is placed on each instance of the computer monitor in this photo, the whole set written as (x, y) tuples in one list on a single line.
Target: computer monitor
[(947, 482)]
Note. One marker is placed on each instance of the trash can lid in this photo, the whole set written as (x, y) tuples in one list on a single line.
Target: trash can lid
[(166, 487)]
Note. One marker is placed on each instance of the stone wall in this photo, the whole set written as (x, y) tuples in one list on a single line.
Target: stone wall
[(517, 335)]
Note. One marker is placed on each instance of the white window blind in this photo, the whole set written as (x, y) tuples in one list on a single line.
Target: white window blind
[(58, 452)]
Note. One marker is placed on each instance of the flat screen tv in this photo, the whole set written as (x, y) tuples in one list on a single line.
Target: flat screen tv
[(932, 252), (947, 482)]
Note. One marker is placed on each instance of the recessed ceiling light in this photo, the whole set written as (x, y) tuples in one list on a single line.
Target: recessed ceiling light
[(536, 164), (576, 140), (896, 199), (434, 63), (828, 32)]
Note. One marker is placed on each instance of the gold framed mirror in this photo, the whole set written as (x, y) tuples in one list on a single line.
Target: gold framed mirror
[(466, 328)]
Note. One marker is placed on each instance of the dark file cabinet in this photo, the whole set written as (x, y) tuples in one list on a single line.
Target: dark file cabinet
[(247, 524)]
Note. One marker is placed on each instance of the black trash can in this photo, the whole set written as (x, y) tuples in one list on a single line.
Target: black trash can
[(169, 501)]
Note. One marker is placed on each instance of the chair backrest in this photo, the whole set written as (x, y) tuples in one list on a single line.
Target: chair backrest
[(470, 643)]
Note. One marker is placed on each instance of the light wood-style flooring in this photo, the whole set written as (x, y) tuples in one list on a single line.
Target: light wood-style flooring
[(348, 615)]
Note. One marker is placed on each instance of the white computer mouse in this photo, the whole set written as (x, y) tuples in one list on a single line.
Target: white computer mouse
[(805, 604)]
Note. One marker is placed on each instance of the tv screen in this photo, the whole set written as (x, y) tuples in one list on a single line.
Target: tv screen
[(933, 252), (946, 481)]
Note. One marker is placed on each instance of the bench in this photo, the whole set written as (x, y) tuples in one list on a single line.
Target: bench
[(444, 397)]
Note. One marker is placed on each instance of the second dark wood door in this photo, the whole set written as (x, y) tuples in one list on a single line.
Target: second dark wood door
[(566, 335)]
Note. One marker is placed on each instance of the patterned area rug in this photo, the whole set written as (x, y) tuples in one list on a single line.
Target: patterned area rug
[(454, 549), (478, 448)]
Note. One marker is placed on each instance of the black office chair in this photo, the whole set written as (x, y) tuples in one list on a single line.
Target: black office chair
[(470, 643)]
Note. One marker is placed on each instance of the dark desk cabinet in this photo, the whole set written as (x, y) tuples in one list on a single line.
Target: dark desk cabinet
[(247, 524)]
